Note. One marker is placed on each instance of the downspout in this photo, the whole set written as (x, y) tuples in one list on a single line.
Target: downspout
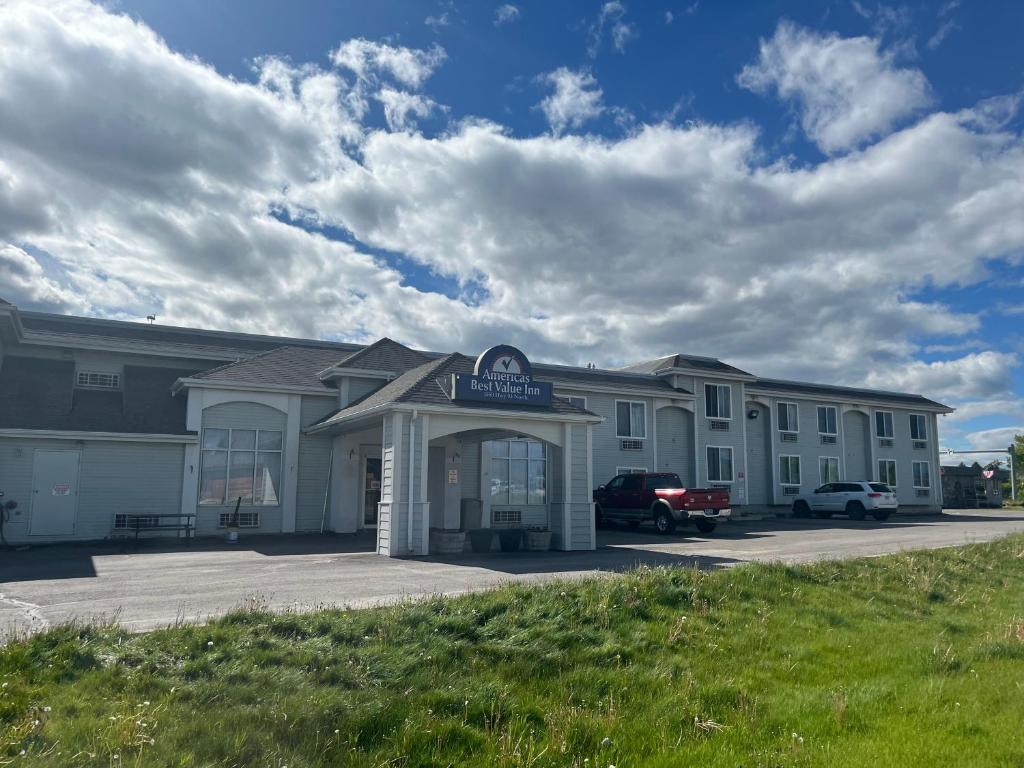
[(412, 457)]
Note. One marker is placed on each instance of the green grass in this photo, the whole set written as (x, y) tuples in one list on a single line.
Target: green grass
[(914, 659)]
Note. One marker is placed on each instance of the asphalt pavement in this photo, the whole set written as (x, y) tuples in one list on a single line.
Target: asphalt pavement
[(162, 583)]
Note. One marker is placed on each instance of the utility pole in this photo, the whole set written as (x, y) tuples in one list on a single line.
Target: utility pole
[(1013, 482)]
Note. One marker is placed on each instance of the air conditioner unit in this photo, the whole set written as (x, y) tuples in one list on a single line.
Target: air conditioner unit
[(718, 426), (828, 439), (631, 445)]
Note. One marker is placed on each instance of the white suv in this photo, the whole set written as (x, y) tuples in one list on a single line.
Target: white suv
[(855, 498)]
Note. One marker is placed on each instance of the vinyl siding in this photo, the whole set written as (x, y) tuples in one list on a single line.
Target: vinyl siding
[(580, 517), (314, 466), (608, 452), (114, 478), (733, 438), (759, 456), (675, 443)]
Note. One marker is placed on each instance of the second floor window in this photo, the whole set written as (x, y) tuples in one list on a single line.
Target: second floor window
[(630, 418), (918, 427), (718, 401), (789, 419), (883, 424), (827, 421)]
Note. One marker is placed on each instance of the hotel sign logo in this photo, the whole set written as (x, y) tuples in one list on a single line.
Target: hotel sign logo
[(502, 375)]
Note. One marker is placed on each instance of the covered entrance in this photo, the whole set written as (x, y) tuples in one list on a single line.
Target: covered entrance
[(449, 464)]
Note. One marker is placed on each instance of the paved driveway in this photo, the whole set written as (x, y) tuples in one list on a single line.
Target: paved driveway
[(159, 584)]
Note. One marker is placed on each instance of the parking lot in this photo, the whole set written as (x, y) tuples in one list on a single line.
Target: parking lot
[(160, 584)]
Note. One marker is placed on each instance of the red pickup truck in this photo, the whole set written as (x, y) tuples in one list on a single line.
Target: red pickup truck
[(659, 497)]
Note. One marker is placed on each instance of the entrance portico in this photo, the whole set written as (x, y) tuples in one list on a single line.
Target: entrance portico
[(452, 464)]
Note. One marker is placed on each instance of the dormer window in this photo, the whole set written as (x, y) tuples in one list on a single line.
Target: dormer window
[(97, 380)]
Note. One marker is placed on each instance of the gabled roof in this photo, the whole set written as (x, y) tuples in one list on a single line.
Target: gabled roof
[(430, 384), (283, 367), (855, 393), (385, 355), (678, 360)]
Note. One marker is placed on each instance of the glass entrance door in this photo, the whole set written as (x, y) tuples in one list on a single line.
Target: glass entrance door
[(371, 491)]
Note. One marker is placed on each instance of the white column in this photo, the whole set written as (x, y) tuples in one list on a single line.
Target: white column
[(424, 508), (567, 486), (190, 472), (291, 463), (590, 485)]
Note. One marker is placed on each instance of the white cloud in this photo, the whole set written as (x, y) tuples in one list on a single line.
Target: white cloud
[(578, 248), (25, 282), (409, 66), (610, 21), (847, 89), (438, 22), (402, 108), (505, 14), (575, 100), (980, 374), (993, 439), (942, 33)]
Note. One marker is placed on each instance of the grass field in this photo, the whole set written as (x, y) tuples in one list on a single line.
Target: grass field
[(914, 659)]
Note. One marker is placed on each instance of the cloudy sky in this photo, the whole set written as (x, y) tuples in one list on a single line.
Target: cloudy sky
[(824, 191)]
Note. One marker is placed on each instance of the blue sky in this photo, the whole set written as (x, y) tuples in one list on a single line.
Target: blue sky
[(826, 191)]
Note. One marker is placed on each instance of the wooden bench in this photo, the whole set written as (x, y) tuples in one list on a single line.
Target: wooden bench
[(175, 522)]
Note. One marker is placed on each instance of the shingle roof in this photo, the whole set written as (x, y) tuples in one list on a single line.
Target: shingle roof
[(563, 375), (679, 360), (385, 355), (825, 390), (430, 384), (284, 366), (92, 327), (37, 393)]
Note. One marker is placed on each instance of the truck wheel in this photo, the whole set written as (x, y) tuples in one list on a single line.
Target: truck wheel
[(800, 509), (881, 515), (704, 525), (664, 522), (855, 510)]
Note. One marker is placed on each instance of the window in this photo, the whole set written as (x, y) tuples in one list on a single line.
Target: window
[(630, 470), (789, 470), (883, 424), (789, 418), (827, 420), (887, 472), (518, 472), (240, 464), (579, 402), (98, 380), (718, 401), (918, 427), (922, 474), (719, 464), (828, 469), (631, 419)]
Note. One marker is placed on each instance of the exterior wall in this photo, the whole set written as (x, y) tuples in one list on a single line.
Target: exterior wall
[(608, 453), (904, 454), (581, 517), (733, 438), (675, 443), (314, 466), (113, 478), (808, 447), (245, 415), (857, 446), (760, 479)]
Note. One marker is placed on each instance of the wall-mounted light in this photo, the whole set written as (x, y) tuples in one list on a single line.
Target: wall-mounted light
[(351, 454), (752, 413)]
